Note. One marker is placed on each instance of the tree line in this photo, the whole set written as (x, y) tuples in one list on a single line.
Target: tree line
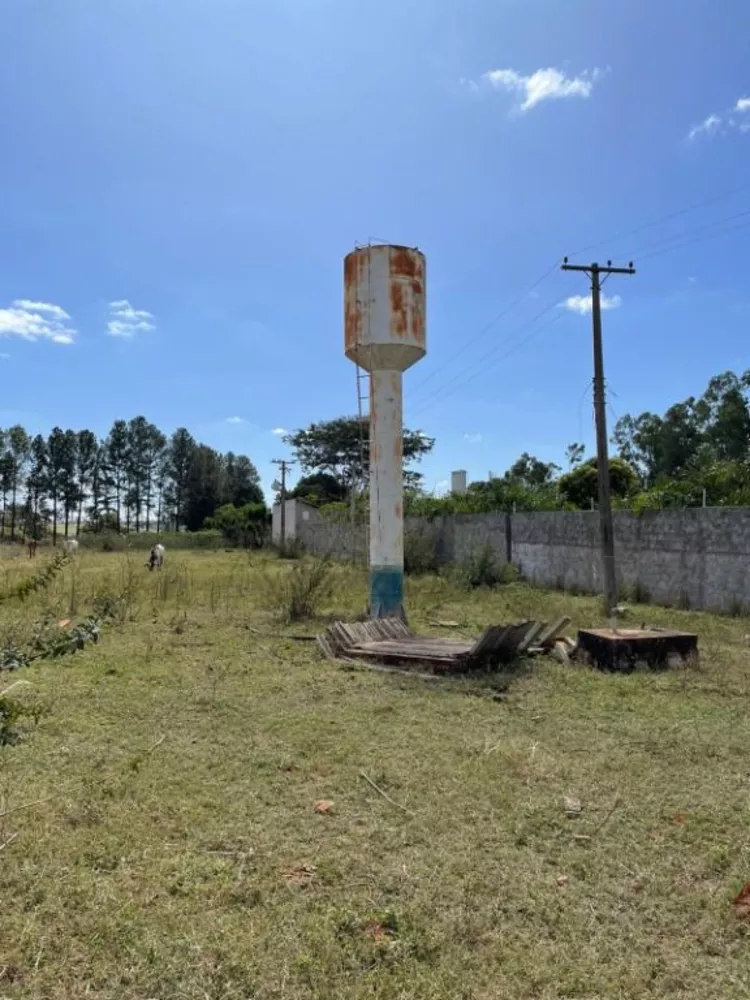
[(697, 452), (136, 478)]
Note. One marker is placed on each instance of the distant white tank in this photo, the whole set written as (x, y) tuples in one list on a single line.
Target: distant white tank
[(384, 333), (458, 481)]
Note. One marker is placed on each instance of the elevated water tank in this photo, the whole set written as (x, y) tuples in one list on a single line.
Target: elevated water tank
[(384, 307)]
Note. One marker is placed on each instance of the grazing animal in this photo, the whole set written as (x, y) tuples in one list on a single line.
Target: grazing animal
[(156, 556), (70, 545), (32, 545)]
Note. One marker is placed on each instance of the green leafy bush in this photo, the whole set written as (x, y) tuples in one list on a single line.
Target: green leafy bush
[(421, 552), (299, 592), (483, 569)]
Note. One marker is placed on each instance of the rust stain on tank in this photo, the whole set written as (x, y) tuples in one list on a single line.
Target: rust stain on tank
[(417, 321), (405, 263), (398, 452), (353, 265), (350, 269), (398, 511), (399, 316)]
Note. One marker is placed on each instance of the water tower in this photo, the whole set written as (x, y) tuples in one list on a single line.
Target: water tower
[(384, 330)]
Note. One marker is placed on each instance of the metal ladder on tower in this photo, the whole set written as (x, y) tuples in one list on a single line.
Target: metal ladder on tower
[(363, 413)]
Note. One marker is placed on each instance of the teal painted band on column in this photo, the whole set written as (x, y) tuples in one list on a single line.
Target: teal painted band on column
[(386, 591)]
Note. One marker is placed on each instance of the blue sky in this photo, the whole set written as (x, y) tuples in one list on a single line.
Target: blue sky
[(206, 164)]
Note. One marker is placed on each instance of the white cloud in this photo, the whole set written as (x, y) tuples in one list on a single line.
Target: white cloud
[(473, 438), (707, 127), (279, 431), (723, 122), (542, 85), (42, 307), (36, 321), (471, 85), (235, 420), (125, 321), (581, 304)]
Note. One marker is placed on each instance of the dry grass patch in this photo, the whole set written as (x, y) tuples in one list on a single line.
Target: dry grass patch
[(162, 838)]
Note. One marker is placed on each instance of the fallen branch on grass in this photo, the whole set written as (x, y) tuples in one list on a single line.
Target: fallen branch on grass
[(8, 841), (24, 805), (608, 817), (13, 685), (385, 795), (587, 837)]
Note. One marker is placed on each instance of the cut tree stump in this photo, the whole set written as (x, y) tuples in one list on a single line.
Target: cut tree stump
[(624, 649)]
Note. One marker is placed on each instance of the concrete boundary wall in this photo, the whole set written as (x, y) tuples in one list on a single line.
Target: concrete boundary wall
[(696, 558)]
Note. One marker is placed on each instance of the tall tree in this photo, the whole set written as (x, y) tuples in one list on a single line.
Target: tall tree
[(19, 449), (178, 464), (318, 489), (153, 457), (531, 472), (69, 485), (36, 486), (57, 469), (87, 454), (341, 447), (116, 451), (580, 485), (6, 475), (203, 493), (101, 497), (240, 481), (137, 467), (574, 454), (723, 408)]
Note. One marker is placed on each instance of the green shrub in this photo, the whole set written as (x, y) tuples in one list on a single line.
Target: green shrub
[(13, 711), (483, 569), (293, 548), (299, 592), (421, 553)]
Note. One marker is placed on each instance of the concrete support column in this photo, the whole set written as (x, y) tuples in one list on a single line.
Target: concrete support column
[(386, 495)]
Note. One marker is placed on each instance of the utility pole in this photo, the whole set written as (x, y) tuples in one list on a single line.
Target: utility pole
[(606, 528), (284, 466)]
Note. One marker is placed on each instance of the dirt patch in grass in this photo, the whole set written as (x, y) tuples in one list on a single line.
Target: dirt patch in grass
[(162, 837)]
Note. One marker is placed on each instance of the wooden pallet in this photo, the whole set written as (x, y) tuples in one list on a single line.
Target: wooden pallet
[(388, 641)]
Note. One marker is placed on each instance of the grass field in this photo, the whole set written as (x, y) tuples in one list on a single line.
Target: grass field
[(160, 838)]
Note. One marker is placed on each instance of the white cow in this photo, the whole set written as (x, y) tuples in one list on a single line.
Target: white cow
[(156, 556), (70, 545)]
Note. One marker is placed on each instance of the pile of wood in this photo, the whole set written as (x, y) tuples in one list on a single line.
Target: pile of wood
[(551, 639), (390, 642)]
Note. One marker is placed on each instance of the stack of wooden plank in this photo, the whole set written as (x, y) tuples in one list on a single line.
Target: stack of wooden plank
[(389, 641)]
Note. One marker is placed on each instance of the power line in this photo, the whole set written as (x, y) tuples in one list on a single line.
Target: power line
[(700, 239), (503, 312), (662, 218), (659, 248), (430, 403), (688, 232), (649, 256), (485, 357)]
